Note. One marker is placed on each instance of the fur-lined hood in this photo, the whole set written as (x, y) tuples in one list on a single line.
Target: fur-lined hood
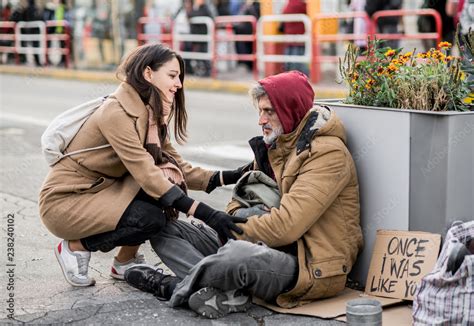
[(319, 121)]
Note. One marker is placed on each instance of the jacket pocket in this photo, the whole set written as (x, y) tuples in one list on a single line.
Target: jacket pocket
[(328, 278), (100, 184)]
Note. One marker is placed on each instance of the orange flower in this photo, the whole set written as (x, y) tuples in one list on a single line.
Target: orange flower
[(449, 58), (390, 53), (392, 68), (370, 83), (405, 57), (422, 55), (437, 55), (444, 45), (397, 62)]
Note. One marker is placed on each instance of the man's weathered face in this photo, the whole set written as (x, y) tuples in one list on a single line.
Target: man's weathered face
[(268, 120)]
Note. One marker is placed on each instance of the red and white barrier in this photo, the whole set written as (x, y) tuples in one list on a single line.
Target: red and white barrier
[(151, 30), (197, 38), (230, 36), (263, 38), (7, 35), (61, 37), (415, 36), (32, 38), (319, 39)]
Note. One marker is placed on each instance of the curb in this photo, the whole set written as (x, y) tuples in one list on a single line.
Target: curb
[(192, 83)]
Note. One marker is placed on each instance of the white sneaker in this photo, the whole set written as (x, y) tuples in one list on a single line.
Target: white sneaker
[(118, 269), (74, 264)]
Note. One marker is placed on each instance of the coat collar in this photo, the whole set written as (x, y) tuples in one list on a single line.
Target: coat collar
[(133, 105), (313, 122), (130, 100)]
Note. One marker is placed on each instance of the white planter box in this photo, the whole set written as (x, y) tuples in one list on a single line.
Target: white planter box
[(415, 169)]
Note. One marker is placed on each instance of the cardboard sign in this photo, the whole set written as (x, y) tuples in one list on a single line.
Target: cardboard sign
[(399, 261)]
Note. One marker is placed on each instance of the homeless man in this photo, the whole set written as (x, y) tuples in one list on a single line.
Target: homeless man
[(292, 254)]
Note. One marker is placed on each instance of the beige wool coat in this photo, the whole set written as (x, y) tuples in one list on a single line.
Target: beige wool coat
[(319, 208), (86, 194)]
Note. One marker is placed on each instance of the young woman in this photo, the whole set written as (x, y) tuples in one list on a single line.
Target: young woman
[(123, 194)]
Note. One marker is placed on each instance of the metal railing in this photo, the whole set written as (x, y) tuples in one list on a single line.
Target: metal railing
[(32, 37), (147, 30), (197, 38), (319, 39), (228, 22), (413, 36), (27, 41), (7, 37)]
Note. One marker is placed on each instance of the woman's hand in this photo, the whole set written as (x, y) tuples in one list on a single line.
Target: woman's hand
[(221, 178), (224, 223)]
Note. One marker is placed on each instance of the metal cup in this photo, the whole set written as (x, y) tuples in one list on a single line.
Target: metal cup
[(364, 312)]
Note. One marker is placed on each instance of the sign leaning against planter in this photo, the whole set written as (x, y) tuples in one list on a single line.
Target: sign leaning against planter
[(409, 120)]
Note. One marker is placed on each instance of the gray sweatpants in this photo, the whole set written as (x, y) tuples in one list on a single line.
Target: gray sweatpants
[(191, 251)]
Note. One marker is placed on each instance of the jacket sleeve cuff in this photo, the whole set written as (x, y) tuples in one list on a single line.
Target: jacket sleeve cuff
[(214, 182), (176, 198)]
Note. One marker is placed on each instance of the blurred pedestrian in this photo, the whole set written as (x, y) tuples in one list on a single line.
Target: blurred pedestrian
[(426, 24), (466, 17), (153, 27), (61, 16), (235, 6), (201, 68), (454, 9), (6, 11), (251, 8), (385, 25), (222, 7), (5, 16), (26, 11), (124, 194), (290, 28), (101, 25), (360, 25)]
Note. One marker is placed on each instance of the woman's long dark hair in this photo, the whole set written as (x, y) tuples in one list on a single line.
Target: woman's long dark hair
[(154, 56)]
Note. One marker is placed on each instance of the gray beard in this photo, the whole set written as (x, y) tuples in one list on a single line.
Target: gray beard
[(273, 136)]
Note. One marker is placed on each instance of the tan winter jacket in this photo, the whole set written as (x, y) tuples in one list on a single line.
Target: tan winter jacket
[(319, 207), (86, 194)]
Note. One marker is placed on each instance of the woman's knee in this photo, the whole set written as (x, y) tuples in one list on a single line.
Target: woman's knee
[(146, 216)]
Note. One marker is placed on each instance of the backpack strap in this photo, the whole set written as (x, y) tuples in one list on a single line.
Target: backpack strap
[(79, 151)]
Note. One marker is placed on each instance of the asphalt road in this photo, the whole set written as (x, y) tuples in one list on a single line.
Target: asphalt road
[(219, 126)]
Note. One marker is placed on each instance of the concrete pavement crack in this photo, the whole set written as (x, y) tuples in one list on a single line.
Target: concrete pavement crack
[(85, 318), (33, 320), (98, 271)]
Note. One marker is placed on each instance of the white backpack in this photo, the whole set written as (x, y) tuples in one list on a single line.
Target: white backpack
[(64, 128)]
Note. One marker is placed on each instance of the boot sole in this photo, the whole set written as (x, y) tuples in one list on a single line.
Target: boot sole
[(210, 303)]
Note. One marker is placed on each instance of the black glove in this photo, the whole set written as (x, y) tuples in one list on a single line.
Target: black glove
[(221, 222), (229, 177)]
